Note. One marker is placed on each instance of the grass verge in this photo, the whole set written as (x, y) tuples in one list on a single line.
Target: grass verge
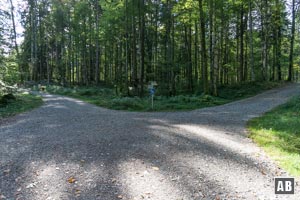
[(278, 133), (106, 97), (22, 103)]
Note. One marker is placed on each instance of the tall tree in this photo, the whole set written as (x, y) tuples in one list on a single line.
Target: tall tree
[(183, 45), (203, 48), (291, 56)]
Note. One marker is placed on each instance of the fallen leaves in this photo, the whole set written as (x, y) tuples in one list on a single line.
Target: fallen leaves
[(36, 173), (77, 192), (146, 195), (155, 168), (71, 180), (263, 172), (31, 185), (82, 162), (7, 171), (278, 173)]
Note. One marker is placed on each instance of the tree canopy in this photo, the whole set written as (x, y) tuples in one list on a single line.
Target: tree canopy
[(185, 46)]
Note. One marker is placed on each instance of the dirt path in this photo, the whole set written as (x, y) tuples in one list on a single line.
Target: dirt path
[(68, 149)]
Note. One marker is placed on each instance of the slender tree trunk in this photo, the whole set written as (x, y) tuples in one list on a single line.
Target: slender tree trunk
[(33, 38), (196, 51), (134, 56), (241, 70), (264, 19), (251, 42), (211, 42), (291, 56), (203, 49), (97, 72), (142, 45), (14, 27), (278, 40), (126, 48)]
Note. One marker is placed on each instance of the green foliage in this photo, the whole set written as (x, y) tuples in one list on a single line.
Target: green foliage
[(7, 99), (128, 43), (238, 91), (278, 132), (129, 103), (10, 106), (9, 75), (9, 71), (106, 97)]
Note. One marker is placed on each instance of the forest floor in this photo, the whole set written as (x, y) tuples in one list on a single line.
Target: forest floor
[(69, 149), (106, 97)]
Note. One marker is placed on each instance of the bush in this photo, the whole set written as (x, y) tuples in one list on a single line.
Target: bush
[(87, 92), (127, 103), (207, 98), (19, 103), (107, 97), (6, 99)]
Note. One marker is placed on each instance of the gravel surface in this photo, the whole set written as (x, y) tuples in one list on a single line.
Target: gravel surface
[(68, 149)]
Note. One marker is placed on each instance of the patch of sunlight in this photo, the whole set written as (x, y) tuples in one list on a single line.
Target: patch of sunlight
[(230, 182), (227, 141), (143, 180), (47, 182), (52, 180), (57, 106), (288, 161), (76, 101), (52, 126)]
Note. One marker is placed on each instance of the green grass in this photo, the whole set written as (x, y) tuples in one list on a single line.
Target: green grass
[(240, 91), (278, 132), (106, 97), (23, 102)]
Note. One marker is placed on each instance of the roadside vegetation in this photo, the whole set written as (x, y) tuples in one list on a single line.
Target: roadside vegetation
[(109, 98), (12, 104), (278, 132)]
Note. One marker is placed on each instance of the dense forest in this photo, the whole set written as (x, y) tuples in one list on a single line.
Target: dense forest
[(184, 46)]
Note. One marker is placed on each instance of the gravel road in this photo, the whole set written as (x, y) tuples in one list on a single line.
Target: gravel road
[(68, 149)]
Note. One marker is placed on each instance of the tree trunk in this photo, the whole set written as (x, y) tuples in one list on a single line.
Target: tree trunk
[(291, 56), (142, 45), (97, 71), (241, 70), (203, 49), (251, 42), (14, 27)]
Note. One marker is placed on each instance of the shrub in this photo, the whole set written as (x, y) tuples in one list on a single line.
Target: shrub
[(7, 99), (127, 103)]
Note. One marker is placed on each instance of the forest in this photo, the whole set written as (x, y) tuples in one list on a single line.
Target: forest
[(184, 46), (149, 99)]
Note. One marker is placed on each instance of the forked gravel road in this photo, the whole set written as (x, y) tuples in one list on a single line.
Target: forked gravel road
[(68, 149)]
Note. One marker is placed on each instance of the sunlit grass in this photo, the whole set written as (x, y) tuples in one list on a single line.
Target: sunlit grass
[(278, 132), (22, 103)]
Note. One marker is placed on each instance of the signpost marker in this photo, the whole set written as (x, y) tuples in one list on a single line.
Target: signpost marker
[(152, 92), (152, 102)]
